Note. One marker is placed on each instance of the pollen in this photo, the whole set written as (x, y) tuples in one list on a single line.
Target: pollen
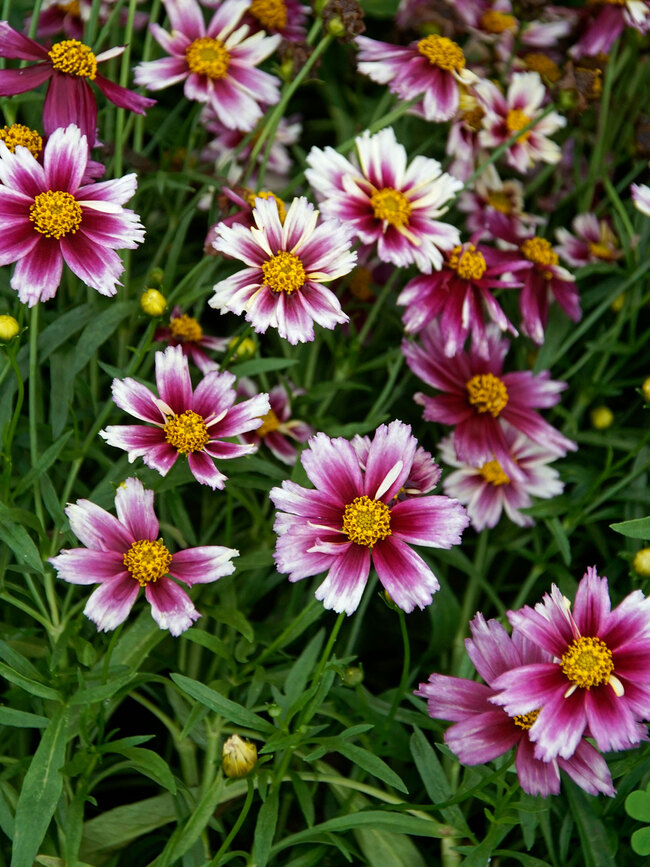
[(187, 432), (267, 194), (147, 561), (442, 52), (73, 58), (18, 135), (55, 214), (493, 473), (270, 423), (391, 205), (497, 22), (541, 63), (588, 662), (487, 393), (186, 329), (539, 251), (272, 14), (208, 56), (366, 521), (284, 272), (526, 721), (516, 120), (500, 201), (467, 262)]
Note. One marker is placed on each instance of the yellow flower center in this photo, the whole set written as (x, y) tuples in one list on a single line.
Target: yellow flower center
[(73, 58), (526, 720), (391, 205), (516, 120), (147, 561), (270, 423), (267, 194), (493, 473), (539, 251), (73, 8), (272, 14), (497, 22), (467, 262), (547, 68), (366, 521), (473, 119), (360, 282), (487, 393), (284, 272), (588, 662), (442, 52), (500, 201), (207, 56), (186, 328), (601, 250), (187, 432), (18, 135), (55, 214)]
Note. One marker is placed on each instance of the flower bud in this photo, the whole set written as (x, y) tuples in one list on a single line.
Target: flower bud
[(353, 675), (156, 277), (245, 349), (618, 302), (153, 302), (9, 328), (645, 388), (641, 562), (602, 417), (239, 757)]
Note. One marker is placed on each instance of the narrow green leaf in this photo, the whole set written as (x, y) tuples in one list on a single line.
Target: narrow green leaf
[(43, 464), (232, 711), (21, 543), (148, 762), (211, 642), (636, 529), (262, 365), (189, 831), (22, 719), (363, 758), (434, 779), (16, 660), (296, 680), (267, 821), (560, 536), (28, 684), (87, 695), (596, 849)]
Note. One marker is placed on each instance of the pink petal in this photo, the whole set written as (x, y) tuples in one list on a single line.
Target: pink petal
[(454, 698), (333, 467), (491, 649), (483, 737), (13, 81), (134, 507), (122, 97), (203, 565), (96, 528), (97, 266), (70, 100), (171, 607), (434, 521), (136, 399), (84, 566), (343, 587), (404, 574), (173, 379), (143, 442), (112, 601), (611, 723), (205, 472), (592, 606), (589, 770), (37, 275), (389, 460), (536, 777), (64, 159)]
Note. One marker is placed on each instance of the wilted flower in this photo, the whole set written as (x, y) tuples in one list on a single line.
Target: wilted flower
[(607, 22)]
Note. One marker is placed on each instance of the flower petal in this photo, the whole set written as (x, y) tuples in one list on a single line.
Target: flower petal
[(171, 607)]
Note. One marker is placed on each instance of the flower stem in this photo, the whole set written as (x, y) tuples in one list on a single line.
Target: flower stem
[(240, 821), (403, 683), (33, 408), (9, 436)]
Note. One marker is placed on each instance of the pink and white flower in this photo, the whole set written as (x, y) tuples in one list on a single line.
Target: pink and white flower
[(601, 32), (181, 421), (597, 681), (125, 553), (487, 490), (287, 18), (482, 732), (288, 262), (185, 331), (495, 202), (423, 477), (277, 428), (353, 517), (594, 241), (387, 202), (217, 63), (47, 217), (641, 198)]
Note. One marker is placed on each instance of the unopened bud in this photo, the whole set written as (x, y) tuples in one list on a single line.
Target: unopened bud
[(245, 348), (353, 675), (645, 388), (641, 562), (602, 417), (156, 277), (153, 302), (618, 302), (9, 328), (239, 757)]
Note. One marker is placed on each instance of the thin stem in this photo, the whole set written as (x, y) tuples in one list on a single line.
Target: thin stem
[(403, 683), (376, 307), (33, 408), (225, 846), (328, 647), (9, 438)]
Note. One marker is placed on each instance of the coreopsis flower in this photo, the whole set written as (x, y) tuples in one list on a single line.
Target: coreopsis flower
[(598, 678), (482, 732), (68, 66), (641, 198), (287, 18), (125, 553), (288, 262), (277, 428), (477, 397), (217, 63), (492, 202), (594, 241), (387, 202), (433, 68), (606, 22), (506, 115), (185, 331), (423, 477), (181, 421), (48, 217), (487, 490), (458, 294), (353, 517)]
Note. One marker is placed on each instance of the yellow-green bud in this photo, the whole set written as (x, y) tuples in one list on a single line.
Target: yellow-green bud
[(618, 302), (335, 27), (239, 757), (156, 277), (353, 675), (9, 328), (153, 302), (645, 388), (641, 562), (245, 349), (602, 417)]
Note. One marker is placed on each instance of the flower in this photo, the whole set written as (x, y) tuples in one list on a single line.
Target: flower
[(354, 517), (641, 198), (493, 200), (486, 490), (482, 732), (185, 422), (287, 264), (594, 241), (277, 428), (185, 331), (238, 757), (432, 68), (217, 63), (423, 476), (288, 18), (599, 34), (48, 218), (477, 398), (386, 202), (69, 66), (124, 553), (598, 680)]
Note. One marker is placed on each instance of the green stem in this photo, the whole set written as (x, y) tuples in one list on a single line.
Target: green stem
[(376, 307), (225, 846), (33, 408), (124, 80), (328, 647), (36, 13), (9, 438), (469, 601), (403, 683)]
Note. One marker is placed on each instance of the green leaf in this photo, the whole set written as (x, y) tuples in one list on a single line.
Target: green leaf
[(191, 828), (596, 849), (226, 708), (267, 821), (262, 365), (637, 804), (87, 695), (636, 529), (211, 642), (40, 792), (22, 719), (234, 618), (561, 538), (296, 680), (363, 758), (434, 779), (28, 684), (640, 841), (148, 762), (21, 543), (43, 464)]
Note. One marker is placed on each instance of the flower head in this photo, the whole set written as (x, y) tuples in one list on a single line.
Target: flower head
[(594, 241), (278, 429), (186, 331)]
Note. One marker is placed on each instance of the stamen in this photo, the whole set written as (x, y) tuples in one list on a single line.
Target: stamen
[(18, 135), (442, 52), (587, 662), (500, 201), (391, 205), (267, 194), (516, 120), (207, 56), (272, 14), (467, 262), (497, 22), (539, 251), (366, 521), (487, 393), (186, 329), (187, 432), (147, 561), (526, 721), (55, 214), (493, 473), (270, 423), (284, 272), (74, 58)]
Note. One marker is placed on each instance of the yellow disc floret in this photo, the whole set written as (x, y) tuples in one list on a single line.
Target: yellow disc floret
[(525, 721), (442, 52), (541, 63), (487, 393), (493, 473), (366, 521), (270, 423), (467, 262), (272, 14), (516, 120), (497, 22), (587, 662), (186, 329), (187, 432), (18, 135), (55, 214), (391, 205), (73, 58), (267, 194), (500, 201), (539, 251), (147, 561), (208, 56), (284, 272)]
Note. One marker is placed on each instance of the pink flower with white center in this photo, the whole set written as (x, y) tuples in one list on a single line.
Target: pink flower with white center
[(125, 553), (47, 217), (432, 68), (458, 294), (68, 66), (181, 421), (598, 681), (287, 18), (482, 732), (288, 262), (424, 474), (506, 115), (387, 202), (594, 241), (478, 397), (641, 198), (354, 517), (493, 198), (217, 63), (487, 491), (600, 32), (277, 428), (185, 331)]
